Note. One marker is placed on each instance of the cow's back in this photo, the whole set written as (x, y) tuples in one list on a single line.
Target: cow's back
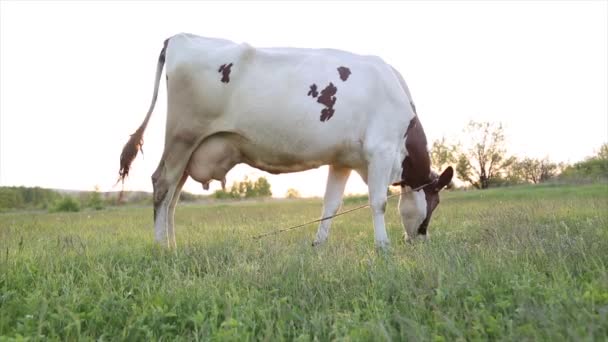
[(288, 103)]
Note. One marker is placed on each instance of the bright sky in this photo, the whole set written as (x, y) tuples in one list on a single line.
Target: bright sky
[(76, 78)]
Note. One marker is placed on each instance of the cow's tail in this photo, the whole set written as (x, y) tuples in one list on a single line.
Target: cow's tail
[(136, 141)]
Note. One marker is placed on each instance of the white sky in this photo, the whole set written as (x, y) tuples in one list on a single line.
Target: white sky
[(76, 78)]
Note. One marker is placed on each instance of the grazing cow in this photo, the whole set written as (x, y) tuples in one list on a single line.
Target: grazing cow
[(287, 110)]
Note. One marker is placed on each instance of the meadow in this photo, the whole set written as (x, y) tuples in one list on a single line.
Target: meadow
[(521, 263)]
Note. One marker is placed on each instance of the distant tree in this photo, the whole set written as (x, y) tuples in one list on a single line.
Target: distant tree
[(27, 198), (486, 157), (262, 187), (592, 168), (292, 193), (534, 170), (443, 154), (602, 153), (464, 169), (234, 190), (10, 198), (246, 189)]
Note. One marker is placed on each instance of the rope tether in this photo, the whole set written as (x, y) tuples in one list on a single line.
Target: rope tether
[(274, 232)]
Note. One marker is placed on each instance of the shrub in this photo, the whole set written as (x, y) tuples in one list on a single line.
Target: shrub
[(95, 201), (594, 168), (292, 193), (67, 204)]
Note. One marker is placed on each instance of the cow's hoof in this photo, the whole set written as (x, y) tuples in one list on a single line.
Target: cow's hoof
[(383, 247), (318, 243), (418, 238), (383, 252)]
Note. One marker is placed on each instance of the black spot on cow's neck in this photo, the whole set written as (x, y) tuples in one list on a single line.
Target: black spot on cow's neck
[(313, 90), (344, 73), (225, 70), (328, 99)]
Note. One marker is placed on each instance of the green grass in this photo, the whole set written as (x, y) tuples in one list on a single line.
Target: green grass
[(524, 263)]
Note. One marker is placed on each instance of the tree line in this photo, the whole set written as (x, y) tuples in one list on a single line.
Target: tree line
[(246, 188), (483, 161), (36, 198)]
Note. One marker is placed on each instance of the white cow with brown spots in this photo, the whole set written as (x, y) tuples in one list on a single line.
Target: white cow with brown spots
[(287, 110)]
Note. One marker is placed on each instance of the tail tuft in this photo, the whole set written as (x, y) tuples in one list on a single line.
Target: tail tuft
[(129, 152)]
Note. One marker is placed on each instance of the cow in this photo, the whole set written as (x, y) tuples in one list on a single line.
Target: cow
[(286, 110)]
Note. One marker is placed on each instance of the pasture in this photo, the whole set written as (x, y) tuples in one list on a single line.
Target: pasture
[(522, 263)]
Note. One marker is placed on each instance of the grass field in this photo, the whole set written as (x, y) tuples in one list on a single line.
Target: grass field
[(524, 263)]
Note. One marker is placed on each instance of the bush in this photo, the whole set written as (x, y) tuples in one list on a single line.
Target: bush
[(591, 169), (292, 193), (67, 204), (222, 195), (95, 201), (185, 196)]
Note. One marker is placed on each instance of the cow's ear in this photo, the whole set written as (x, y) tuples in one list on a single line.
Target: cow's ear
[(445, 178)]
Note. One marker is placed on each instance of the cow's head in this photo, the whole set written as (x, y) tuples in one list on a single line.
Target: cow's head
[(419, 186), (416, 205)]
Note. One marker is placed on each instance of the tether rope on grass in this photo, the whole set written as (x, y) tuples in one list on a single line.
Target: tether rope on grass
[(274, 232)]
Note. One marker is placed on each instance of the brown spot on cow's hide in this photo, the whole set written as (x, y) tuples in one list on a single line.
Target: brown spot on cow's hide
[(326, 114), (344, 73), (313, 90), (225, 70), (328, 95), (328, 99)]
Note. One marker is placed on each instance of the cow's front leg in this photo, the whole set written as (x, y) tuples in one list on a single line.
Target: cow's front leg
[(336, 181), (378, 181)]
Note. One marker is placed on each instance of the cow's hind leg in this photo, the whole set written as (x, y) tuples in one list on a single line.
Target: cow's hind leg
[(172, 205), (336, 181), (167, 181)]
